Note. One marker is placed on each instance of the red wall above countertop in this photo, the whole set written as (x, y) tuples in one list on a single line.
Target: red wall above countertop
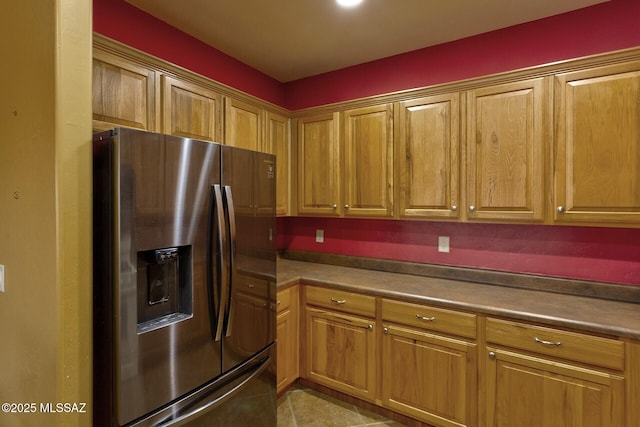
[(133, 27), (604, 27), (585, 253)]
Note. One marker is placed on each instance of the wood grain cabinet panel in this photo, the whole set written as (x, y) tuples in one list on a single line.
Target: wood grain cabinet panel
[(123, 94), (287, 322), (506, 129), (427, 159), (429, 377), (529, 391), (538, 376), (597, 176), (341, 352), (278, 144), (190, 110), (368, 162), (319, 165), (243, 125)]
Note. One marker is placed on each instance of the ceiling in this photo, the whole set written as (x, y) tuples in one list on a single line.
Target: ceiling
[(292, 39)]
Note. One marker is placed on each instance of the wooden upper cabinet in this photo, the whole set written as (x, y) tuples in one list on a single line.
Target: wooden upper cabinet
[(190, 110), (597, 157), (123, 94), (242, 125), (507, 125), (278, 144), (319, 165), (367, 175), (427, 157)]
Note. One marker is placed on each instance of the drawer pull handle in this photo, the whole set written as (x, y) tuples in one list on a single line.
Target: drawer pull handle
[(426, 319), (338, 301), (543, 342)]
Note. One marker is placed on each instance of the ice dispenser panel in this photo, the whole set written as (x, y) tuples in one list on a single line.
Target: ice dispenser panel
[(165, 287)]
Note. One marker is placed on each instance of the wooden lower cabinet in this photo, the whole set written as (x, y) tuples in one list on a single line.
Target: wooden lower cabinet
[(287, 321), (529, 391), (540, 376), (341, 352), (429, 377)]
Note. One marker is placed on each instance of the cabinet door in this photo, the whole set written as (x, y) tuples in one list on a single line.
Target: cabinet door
[(319, 165), (597, 174), (429, 377), (368, 162), (528, 391), (242, 125), (341, 352), (190, 110), (277, 135), (123, 94), (287, 338), (506, 130), (428, 157)]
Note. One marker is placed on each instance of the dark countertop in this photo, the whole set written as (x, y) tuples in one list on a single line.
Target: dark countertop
[(581, 313)]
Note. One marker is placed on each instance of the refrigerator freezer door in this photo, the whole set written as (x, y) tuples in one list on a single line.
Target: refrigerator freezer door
[(164, 345)]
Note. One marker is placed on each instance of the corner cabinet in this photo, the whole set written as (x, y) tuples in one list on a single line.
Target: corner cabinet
[(539, 376), (278, 144), (428, 157), (597, 176), (507, 126), (287, 321), (341, 341)]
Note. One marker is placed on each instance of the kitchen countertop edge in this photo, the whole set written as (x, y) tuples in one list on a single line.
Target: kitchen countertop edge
[(580, 313)]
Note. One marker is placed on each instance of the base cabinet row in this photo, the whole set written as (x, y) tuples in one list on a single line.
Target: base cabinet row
[(447, 368)]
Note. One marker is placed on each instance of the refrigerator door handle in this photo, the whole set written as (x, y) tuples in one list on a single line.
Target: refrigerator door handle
[(218, 400), (219, 287), (231, 215)]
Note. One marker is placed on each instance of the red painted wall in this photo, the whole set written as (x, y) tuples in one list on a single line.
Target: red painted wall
[(601, 28), (127, 24), (587, 253), (601, 254)]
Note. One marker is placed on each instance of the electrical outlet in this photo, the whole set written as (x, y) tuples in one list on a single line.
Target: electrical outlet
[(443, 244), (1, 278), (319, 236)]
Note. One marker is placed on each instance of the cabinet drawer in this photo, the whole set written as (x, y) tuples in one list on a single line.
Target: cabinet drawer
[(605, 352), (283, 300), (431, 318), (341, 300)]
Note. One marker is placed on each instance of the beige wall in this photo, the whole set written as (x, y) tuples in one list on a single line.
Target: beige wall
[(45, 197)]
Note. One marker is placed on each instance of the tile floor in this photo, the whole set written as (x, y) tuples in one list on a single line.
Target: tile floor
[(303, 407)]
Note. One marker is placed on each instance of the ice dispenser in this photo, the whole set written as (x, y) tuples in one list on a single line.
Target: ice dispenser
[(164, 287)]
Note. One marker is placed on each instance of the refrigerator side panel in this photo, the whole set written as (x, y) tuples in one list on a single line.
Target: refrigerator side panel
[(103, 251)]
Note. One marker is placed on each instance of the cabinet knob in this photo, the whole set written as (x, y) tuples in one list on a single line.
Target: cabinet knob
[(472, 208), (334, 206), (385, 330), (346, 206), (492, 355), (454, 208), (560, 209), (370, 327)]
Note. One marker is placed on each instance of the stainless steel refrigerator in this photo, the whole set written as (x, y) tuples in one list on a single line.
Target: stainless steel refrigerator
[(184, 282)]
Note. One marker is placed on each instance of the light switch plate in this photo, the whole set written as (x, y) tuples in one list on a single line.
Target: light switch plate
[(319, 236), (443, 244), (1, 278)]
